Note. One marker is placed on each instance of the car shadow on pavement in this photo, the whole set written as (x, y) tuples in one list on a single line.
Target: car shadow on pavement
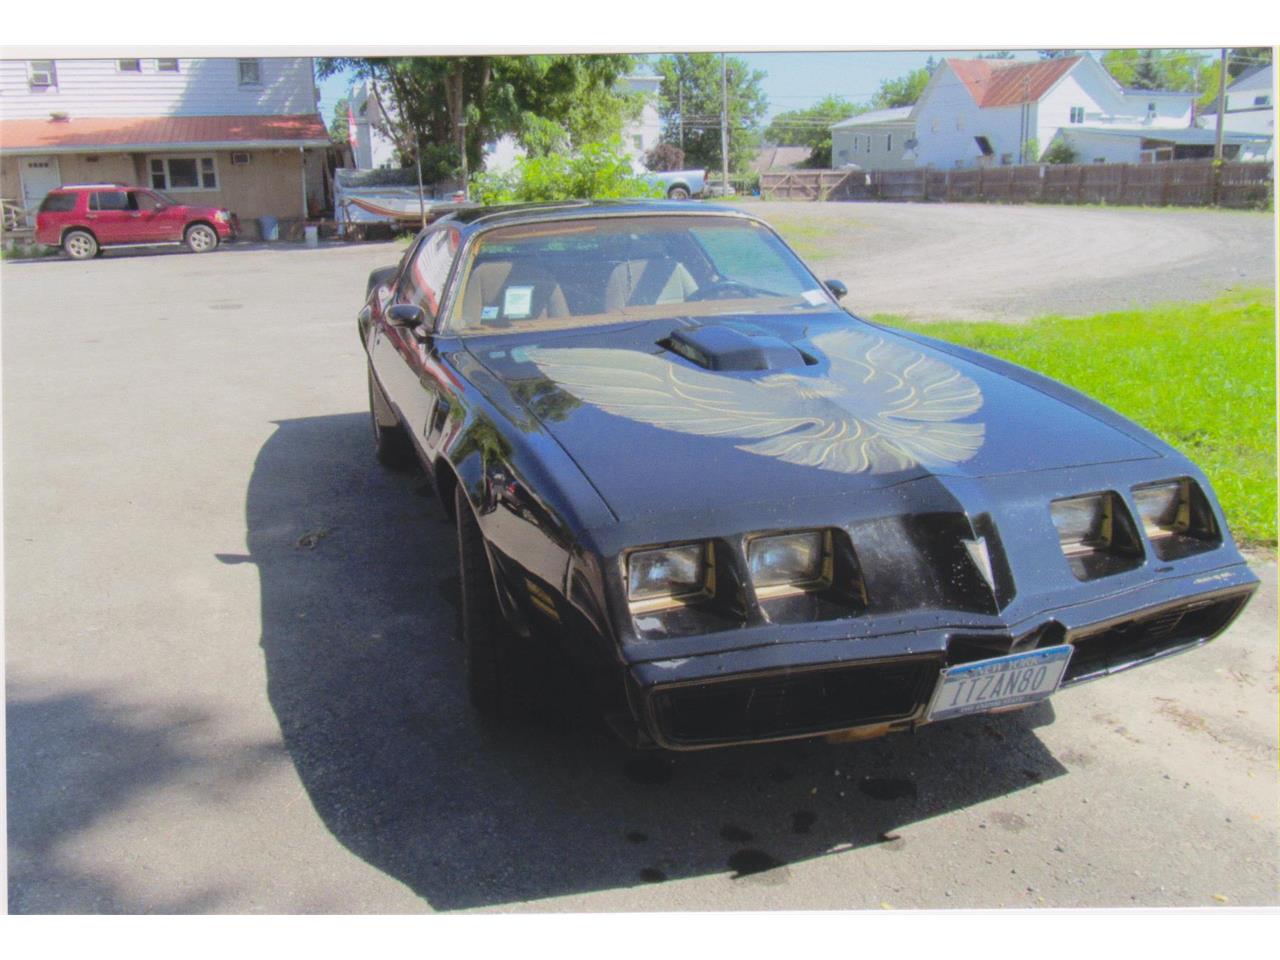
[(358, 572)]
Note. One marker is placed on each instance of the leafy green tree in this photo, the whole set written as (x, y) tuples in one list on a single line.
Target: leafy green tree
[(547, 102), (339, 126), (693, 80), (996, 55), (1057, 54), (1153, 69), (903, 91), (595, 171), (811, 127)]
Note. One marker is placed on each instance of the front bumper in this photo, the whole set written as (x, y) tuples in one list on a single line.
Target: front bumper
[(784, 690)]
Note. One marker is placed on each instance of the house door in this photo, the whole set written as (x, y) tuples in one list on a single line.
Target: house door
[(39, 176)]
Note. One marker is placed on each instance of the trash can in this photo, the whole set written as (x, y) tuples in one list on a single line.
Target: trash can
[(312, 234), (270, 228)]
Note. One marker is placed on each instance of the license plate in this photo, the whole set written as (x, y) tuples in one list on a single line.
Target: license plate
[(999, 682)]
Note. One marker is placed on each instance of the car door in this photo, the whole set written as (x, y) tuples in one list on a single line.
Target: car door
[(403, 358), (109, 216), (153, 220)]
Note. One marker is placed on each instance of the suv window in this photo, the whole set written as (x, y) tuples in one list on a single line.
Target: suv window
[(141, 200), (58, 203), (112, 200)]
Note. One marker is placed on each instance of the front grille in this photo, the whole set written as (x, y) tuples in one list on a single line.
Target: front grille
[(1133, 641), (795, 703)]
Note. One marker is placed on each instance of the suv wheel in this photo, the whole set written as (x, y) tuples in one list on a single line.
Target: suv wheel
[(200, 238), (80, 245)]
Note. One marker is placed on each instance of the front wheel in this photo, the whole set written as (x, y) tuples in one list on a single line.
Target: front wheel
[(201, 238), (80, 245)]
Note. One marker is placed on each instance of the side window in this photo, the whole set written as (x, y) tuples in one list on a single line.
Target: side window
[(142, 201), (110, 200), (58, 203), (424, 279)]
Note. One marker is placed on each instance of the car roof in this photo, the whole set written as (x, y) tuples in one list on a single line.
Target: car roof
[(93, 186), (473, 219)]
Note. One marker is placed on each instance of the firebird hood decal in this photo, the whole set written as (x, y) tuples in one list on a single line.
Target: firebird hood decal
[(883, 407)]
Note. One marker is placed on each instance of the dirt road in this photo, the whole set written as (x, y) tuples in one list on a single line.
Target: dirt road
[(988, 262)]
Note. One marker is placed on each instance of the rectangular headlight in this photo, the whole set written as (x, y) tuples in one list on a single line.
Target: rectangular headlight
[(1165, 508), (791, 562), (1176, 518), (1096, 534), (668, 574)]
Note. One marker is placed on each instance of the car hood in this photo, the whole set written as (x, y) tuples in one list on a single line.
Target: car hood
[(753, 408)]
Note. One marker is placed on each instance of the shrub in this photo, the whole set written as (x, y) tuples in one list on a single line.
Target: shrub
[(1059, 152), (599, 171)]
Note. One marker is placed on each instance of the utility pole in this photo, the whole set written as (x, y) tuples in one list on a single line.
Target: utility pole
[(680, 105), (724, 124), (1222, 105), (417, 156), (462, 146)]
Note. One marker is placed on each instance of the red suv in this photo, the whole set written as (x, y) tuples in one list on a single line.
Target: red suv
[(83, 218)]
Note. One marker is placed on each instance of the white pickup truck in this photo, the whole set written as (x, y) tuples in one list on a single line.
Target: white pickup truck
[(680, 184)]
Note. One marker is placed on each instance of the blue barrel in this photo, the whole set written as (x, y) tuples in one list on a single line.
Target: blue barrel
[(270, 228)]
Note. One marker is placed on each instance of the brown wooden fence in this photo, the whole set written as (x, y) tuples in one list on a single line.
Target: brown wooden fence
[(1185, 183)]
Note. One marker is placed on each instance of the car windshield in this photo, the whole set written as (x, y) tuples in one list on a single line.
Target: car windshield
[(625, 268), (164, 198)]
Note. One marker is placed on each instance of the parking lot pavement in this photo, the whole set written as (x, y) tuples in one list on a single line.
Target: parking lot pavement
[(233, 684)]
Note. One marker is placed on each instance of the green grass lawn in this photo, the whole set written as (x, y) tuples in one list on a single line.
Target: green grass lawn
[(1199, 375)]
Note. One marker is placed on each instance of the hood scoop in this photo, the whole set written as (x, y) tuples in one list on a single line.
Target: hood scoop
[(724, 348)]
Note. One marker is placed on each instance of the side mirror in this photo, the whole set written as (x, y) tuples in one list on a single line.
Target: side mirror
[(405, 315), (837, 289)]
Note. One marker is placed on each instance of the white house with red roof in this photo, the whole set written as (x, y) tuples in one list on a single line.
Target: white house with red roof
[(998, 112), (241, 133)]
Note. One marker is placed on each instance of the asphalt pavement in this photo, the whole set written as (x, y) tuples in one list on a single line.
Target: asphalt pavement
[(233, 681)]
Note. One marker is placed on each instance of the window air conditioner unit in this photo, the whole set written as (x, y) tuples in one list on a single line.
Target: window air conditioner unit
[(42, 78), (239, 159)]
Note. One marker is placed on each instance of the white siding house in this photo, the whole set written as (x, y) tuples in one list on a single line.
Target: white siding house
[(242, 133), (991, 113), (877, 140), (370, 147), (1251, 106)]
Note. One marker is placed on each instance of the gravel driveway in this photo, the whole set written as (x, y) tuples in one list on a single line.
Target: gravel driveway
[(987, 262), (233, 683)]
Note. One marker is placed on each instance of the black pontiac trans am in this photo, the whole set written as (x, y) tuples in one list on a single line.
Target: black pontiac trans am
[(692, 488)]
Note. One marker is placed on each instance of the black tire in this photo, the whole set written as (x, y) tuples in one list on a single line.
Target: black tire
[(391, 445), (80, 245), (200, 238), (678, 193), (498, 680)]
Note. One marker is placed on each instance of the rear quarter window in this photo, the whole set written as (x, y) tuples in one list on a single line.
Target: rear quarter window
[(58, 203)]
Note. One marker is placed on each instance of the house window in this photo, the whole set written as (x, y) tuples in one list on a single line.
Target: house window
[(167, 65), (1006, 159), (129, 66), (638, 141), (250, 75), (842, 155), (1077, 114), (40, 73), (184, 173), (985, 146), (1262, 101)]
